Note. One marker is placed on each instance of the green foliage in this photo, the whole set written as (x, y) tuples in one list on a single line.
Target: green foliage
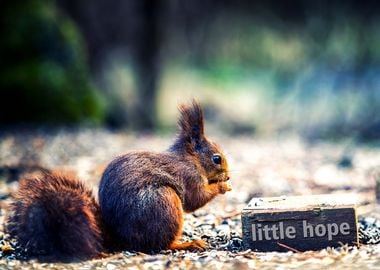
[(43, 73)]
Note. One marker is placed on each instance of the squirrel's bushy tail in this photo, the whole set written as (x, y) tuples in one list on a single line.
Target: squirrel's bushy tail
[(56, 218)]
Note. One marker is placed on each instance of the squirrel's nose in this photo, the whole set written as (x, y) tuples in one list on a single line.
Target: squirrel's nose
[(228, 178)]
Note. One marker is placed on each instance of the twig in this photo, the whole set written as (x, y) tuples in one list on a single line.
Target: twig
[(232, 214), (290, 248)]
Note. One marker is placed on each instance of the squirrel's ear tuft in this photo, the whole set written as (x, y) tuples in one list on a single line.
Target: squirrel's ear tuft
[(191, 121)]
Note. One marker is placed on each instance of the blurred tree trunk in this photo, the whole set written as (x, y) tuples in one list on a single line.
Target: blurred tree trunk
[(132, 27), (146, 48)]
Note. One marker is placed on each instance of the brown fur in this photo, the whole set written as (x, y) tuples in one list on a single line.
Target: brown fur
[(56, 218), (131, 190), (142, 197)]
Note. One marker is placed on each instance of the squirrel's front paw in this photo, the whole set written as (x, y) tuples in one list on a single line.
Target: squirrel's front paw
[(224, 187)]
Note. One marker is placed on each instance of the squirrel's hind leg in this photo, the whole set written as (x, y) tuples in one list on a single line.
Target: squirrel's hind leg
[(195, 245)]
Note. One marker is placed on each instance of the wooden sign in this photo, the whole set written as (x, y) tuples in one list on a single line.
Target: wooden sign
[(300, 223)]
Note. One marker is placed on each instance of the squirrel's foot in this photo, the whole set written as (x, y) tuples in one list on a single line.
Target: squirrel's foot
[(196, 245)]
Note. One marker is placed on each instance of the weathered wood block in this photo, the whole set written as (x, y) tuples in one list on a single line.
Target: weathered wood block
[(377, 188), (300, 223)]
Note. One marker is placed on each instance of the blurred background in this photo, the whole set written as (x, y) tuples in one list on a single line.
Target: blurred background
[(290, 90), (259, 67)]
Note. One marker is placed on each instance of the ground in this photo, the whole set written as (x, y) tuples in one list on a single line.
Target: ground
[(259, 167)]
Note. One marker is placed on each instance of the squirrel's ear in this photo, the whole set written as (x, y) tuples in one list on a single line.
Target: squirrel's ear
[(191, 121)]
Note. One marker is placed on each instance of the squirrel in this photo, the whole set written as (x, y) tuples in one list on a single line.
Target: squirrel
[(142, 200)]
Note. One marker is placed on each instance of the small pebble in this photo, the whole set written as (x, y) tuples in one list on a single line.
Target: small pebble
[(111, 266)]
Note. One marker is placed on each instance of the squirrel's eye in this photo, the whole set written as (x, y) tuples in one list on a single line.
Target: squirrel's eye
[(217, 159)]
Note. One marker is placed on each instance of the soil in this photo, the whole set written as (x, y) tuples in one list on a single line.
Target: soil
[(259, 167)]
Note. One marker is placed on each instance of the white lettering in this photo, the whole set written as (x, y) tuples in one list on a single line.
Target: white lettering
[(307, 229), (279, 231), (332, 230), (344, 228), (320, 230), (290, 232)]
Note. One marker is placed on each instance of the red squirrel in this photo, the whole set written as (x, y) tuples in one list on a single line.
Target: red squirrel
[(142, 200)]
